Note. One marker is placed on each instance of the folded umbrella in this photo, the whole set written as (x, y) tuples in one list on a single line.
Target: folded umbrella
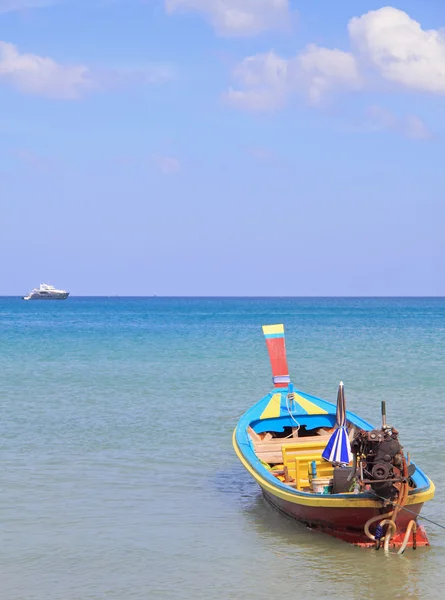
[(338, 449)]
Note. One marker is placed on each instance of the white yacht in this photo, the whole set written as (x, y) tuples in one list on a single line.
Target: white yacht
[(46, 292)]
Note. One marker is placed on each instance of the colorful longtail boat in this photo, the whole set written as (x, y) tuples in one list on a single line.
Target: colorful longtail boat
[(328, 468)]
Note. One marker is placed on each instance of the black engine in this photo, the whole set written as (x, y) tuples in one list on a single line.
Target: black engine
[(380, 456)]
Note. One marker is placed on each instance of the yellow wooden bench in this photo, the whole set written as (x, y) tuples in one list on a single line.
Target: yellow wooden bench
[(297, 459), (303, 471), (299, 471), (291, 451)]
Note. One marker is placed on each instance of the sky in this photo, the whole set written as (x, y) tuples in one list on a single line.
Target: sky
[(222, 147)]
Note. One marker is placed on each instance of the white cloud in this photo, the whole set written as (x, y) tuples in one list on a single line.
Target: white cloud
[(386, 43), (13, 5), (397, 47), (41, 75), (410, 126), (34, 74), (237, 17), (413, 127), (267, 80), (168, 165), (322, 69)]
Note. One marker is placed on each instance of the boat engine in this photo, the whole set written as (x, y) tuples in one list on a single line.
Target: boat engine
[(380, 456), (379, 460)]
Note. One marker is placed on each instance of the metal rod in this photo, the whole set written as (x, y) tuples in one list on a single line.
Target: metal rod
[(381, 480), (383, 414)]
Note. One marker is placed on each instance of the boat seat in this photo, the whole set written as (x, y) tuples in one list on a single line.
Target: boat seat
[(291, 450), (298, 470), (270, 451), (297, 458)]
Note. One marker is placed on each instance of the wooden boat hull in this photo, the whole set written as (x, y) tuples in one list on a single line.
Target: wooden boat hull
[(348, 524)]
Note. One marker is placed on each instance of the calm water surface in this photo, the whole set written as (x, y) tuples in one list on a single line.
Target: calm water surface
[(118, 478)]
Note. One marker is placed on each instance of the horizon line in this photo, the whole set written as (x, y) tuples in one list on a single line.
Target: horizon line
[(233, 296)]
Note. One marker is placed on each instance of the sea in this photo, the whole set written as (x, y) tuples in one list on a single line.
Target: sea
[(118, 480)]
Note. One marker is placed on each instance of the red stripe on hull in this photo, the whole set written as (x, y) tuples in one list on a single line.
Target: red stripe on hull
[(276, 348), (348, 524)]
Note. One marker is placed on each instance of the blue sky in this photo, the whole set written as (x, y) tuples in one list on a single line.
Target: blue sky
[(222, 147)]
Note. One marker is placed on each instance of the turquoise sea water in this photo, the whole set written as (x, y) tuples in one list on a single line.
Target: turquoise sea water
[(118, 479)]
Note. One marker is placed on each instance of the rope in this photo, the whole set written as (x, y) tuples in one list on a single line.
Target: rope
[(403, 492), (290, 397), (410, 511)]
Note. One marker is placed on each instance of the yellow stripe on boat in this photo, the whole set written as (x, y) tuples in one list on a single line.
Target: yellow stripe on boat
[(324, 499), (271, 329), (273, 408), (310, 407)]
